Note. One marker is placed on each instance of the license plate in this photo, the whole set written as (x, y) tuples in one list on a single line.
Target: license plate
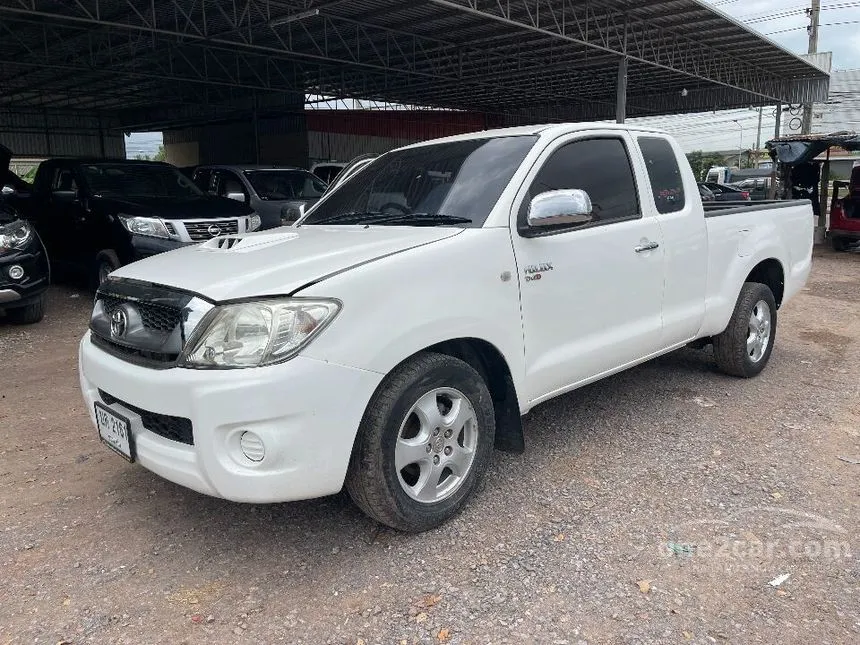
[(115, 432)]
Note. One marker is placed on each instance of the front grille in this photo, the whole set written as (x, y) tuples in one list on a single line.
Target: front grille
[(199, 230), (155, 317), (142, 357), (173, 428)]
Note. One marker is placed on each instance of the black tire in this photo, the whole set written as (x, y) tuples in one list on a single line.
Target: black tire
[(106, 262), (29, 314), (838, 243), (372, 480), (730, 347)]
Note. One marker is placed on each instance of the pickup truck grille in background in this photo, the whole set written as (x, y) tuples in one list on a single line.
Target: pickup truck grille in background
[(154, 316), (173, 428), (202, 230)]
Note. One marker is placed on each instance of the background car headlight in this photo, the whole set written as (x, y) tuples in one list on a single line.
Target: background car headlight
[(264, 332), (16, 235), (149, 226), (254, 222)]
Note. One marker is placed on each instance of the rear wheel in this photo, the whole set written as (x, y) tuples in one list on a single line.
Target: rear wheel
[(424, 442), (838, 243), (29, 314), (744, 348)]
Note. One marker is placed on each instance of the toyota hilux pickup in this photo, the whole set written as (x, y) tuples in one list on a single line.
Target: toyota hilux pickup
[(398, 332)]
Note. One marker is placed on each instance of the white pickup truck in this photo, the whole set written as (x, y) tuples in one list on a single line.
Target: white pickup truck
[(403, 326)]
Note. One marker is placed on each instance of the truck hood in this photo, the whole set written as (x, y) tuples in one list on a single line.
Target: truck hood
[(278, 261)]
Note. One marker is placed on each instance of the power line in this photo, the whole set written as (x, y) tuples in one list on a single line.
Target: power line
[(826, 24)]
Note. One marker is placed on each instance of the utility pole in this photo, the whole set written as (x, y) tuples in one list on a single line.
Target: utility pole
[(814, 13), (740, 143), (758, 138)]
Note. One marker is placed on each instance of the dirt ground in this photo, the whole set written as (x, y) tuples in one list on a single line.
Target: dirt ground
[(658, 506)]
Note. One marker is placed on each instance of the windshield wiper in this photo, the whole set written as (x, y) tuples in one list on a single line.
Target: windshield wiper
[(355, 217), (425, 218)]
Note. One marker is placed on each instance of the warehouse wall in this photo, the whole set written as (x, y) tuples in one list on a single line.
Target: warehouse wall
[(58, 133), (278, 140)]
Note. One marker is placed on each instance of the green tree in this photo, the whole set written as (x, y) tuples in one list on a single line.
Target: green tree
[(701, 162), (160, 155)]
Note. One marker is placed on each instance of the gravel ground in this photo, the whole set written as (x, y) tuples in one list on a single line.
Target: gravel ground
[(654, 506)]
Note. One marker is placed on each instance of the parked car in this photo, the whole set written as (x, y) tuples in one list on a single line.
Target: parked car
[(756, 187), (24, 271), (278, 195), (844, 226), (726, 193), (706, 194), (396, 334), (95, 215), (351, 168), (328, 170)]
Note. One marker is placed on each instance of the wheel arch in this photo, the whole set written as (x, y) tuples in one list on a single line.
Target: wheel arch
[(491, 364), (770, 272)]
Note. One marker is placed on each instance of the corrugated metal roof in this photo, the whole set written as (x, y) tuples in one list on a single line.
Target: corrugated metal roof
[(542, 59)]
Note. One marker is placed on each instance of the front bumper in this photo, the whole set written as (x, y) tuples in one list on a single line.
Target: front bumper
[(305, 411), (145, 246), (21, 292)]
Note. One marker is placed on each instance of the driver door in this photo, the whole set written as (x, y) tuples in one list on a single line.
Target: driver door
[(591, 292)]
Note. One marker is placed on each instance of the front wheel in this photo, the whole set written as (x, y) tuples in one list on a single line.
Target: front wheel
[(744, 348), (423, 444), (106, 263), (29, 314)]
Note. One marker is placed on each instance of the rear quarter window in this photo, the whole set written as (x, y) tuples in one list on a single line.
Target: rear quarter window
[(667, 185)]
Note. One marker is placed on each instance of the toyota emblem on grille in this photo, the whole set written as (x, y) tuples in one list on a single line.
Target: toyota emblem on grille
[(118, 323), (214, 230)]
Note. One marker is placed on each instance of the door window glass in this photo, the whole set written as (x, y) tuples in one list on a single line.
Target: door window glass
[(600, 167)]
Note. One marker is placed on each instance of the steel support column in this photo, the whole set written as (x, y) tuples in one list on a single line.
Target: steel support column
[(621, 91)]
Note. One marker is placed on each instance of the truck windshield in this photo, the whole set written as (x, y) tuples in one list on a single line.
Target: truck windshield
[(457, 182), (138, 180), (285, 184)]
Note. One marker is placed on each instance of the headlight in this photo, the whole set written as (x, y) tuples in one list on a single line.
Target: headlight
[(149, 226), (254, 222), (252, 334), (16, 235)]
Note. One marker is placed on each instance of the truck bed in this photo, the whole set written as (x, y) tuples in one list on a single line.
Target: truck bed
[(716, 209)]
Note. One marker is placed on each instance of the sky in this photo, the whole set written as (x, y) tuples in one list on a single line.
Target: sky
[(783, 21)]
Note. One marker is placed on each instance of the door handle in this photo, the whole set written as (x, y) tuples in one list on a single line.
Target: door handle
[(650, 246)]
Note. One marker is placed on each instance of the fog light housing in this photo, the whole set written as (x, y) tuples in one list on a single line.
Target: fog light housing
[(252, 446), (16, 272)]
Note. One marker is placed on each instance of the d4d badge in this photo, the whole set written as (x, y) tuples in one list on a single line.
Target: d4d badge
[(536, 271)]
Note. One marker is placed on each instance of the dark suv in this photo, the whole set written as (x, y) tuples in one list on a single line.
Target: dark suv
[(96, 215)]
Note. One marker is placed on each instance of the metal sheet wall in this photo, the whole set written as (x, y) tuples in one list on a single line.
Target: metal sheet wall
[(58, 133), (340, 135)]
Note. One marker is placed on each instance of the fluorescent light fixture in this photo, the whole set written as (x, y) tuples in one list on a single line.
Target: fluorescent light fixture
[(293, 17)]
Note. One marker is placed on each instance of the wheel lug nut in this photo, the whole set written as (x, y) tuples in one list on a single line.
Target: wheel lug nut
[(448, 450), (448, 434), (429, 447), (436, 432), (436, 460)]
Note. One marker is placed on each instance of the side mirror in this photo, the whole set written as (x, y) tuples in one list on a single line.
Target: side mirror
[(65, 195), (238, 197), (560, 207), (8, 191)]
